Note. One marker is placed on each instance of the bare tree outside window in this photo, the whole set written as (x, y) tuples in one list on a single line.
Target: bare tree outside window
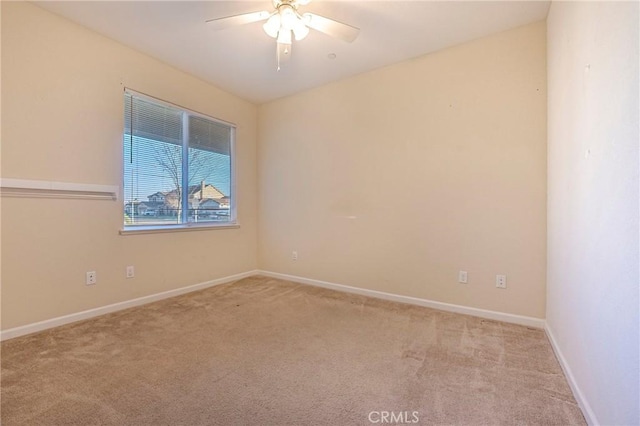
[(169, 158)]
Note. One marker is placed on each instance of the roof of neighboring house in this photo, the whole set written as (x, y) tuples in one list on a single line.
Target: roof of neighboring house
[(210, 201), (194, 189), (157, 193)]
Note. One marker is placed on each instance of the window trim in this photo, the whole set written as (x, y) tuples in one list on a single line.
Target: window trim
[(160, 229), (189, 226)]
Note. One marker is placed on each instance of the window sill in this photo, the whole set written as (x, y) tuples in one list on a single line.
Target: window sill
[(160, 229)]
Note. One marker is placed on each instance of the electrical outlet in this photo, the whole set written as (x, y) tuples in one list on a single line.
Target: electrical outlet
[(131, 272), (294, 255), (501, 281), (462, 277), (92, 278)]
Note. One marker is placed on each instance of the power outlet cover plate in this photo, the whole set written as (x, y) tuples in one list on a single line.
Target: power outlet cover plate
[(501, 281), (92, 278)]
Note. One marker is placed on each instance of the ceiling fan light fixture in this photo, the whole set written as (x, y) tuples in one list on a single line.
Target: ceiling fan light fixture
[(288, 18), (284, 36), (300, 30), (272, 26)]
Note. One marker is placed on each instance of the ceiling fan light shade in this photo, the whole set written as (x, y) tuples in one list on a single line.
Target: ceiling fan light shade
[(288, 17), (284, 36), (272, 26), (300, 30)]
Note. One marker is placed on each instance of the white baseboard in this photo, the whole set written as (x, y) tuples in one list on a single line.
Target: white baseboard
[(588, 413), (66, 319), (78, 316), (498, 316)]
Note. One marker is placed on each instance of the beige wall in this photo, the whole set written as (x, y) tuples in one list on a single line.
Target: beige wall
[(593, 253), (392, 180), (396, 179), (62, 120)]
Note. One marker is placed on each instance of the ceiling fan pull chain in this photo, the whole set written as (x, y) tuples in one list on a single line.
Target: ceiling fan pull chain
[(278, 55)]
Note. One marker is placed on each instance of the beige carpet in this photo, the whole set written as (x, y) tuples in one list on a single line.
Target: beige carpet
[(268, 352)]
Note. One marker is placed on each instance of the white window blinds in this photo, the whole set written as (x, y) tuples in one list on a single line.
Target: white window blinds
[(177, 165)]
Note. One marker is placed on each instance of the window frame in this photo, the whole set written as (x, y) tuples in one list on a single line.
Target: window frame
[(185, 226)]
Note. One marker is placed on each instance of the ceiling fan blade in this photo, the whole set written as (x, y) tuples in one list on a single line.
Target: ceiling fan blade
[(331, 27), (234, 20)]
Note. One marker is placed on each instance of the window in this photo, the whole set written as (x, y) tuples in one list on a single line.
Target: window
[(178, 166)]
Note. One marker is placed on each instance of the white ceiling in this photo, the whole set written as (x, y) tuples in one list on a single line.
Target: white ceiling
[(242, 60)]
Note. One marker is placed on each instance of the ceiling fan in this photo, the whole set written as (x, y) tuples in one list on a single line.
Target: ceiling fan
[(285, 23)]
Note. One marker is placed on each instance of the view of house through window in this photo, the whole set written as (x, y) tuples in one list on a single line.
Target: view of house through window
[(177, 165)]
